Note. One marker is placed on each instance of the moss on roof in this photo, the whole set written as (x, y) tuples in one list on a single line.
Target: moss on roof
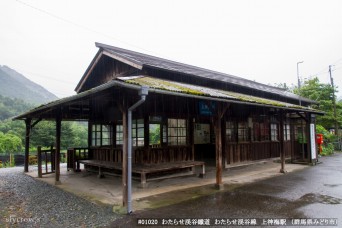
[(204, 91)]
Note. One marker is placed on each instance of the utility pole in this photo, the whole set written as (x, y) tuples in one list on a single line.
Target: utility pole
[(334, 101), (300, 99), (300, 104)]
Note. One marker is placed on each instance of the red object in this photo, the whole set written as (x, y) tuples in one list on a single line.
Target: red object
[(319, 138)]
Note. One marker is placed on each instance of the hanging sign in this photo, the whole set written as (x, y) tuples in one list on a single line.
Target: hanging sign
[(206, 108)]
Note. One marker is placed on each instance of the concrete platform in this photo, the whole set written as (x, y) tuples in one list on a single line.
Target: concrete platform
[(162, 192)]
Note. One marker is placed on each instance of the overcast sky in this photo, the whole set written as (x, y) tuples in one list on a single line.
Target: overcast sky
[(53, 42)]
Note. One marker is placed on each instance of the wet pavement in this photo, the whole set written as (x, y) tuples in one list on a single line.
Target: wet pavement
[(307, 194)]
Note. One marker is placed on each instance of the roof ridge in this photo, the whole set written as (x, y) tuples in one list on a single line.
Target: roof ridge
[(114, 48)]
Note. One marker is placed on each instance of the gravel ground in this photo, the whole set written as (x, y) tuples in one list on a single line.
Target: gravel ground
[(26, 202)]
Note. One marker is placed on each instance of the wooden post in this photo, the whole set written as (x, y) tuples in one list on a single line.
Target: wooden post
[(27, 144), (39, 157), (124, 158), (90, 154), (191, 137), (218, 141), (58, 149), (281, 139)]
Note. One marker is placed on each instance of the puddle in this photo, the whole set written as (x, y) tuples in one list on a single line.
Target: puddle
[(332, 185), (318, 198)]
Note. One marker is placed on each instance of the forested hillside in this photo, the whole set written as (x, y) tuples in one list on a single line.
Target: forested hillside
[(18, 95), (10, 107), (15, 85)]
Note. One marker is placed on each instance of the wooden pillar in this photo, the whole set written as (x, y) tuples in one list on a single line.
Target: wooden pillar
[(27, 144), (124, 158), (191, 137), (58, 149), (218, 142), (90, 154), (281, 140), (39, 159), (307, 135)]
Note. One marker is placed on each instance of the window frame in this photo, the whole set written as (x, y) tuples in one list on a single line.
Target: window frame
[(178, 132), (97, 134)]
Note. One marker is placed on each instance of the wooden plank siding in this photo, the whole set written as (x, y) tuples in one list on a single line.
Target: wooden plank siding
[(243, 152), (145, 155)]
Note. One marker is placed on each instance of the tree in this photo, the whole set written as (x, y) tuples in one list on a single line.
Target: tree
[(322, 93), (10, 143)]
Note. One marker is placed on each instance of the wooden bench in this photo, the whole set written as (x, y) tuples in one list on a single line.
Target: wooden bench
[(144, 169)]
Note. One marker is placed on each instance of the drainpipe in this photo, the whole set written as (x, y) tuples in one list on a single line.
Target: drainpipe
[(142, 93)]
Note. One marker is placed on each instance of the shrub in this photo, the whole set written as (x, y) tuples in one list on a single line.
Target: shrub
[(33, 160), (328, 139)]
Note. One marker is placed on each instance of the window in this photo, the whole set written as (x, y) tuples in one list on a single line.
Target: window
[(287, 133), (119, 134), (154, 134), (164, 134), (176, 131), (274, 132), (256, 129), (102, 135), (264, 131), (243, 132), (138, 132), (230, 131)]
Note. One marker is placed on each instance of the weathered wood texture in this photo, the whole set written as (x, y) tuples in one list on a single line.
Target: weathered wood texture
[(144, 169), (46, 156), (74, 155), (145, 155), (242, 152)]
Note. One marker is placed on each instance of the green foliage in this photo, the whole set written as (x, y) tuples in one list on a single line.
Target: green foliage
[(328, 139), (10, 107), (154, 134), (74, 134), (323, 94), (33, 160), (10, 143), (10, 163)]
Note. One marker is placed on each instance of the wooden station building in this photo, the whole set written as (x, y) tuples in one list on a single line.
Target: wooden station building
[(181, 116)]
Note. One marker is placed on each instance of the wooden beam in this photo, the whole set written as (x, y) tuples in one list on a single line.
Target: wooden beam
[(218, 141), (36, 122), (89, 70), (39, 155), (58, 148), (121, 59), (281, 139), (27, 144)]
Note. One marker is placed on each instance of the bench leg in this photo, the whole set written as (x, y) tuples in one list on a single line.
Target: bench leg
[(143, 182), (100, 173), (77, 167), (202, 174)]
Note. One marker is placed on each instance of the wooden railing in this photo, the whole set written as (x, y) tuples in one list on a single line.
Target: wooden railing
[(74, 155), (48, 157)]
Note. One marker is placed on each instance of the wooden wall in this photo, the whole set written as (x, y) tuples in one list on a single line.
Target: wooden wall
[(143, 155), (253, 151)]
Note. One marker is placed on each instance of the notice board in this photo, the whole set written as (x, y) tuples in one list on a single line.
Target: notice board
[(201, 133)]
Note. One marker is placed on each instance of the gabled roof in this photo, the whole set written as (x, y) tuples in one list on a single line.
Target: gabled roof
[(140, 60)]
